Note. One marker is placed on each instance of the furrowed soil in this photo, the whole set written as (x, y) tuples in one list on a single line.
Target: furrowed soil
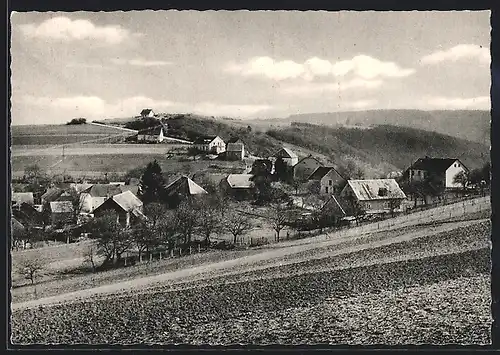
[(432, 289)]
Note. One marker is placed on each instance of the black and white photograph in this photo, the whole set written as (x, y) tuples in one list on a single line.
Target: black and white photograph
[(222, 178)]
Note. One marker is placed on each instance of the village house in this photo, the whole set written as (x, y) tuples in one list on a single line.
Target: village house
[(181, 188), (152, 135), (239, 186), (442, 170), (326, 181), (22, 197), (147, 112), (235, 149), (288, 156), (210, 144), (374, 196), (61, 212), (96, 194), (27, 214), (305, 167), (127, 206)]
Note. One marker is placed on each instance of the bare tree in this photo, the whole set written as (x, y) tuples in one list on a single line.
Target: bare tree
[(31, 267), (209, 215), (89, 255), (237, 223), (278, 217), (186, 219)]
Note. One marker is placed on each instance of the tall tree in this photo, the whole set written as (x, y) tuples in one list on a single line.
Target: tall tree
[(186, 218), (277, 217), (151, 188), (237, 223), (209, 216)]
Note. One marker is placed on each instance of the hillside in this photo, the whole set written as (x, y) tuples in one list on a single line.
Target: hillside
[(470, 125), (382, 148)]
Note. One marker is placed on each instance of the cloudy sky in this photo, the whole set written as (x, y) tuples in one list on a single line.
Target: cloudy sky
[(245, 64)]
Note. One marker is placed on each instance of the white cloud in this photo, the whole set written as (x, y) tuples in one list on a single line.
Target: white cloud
[(140, 62), (462, 51), (66, 29), (94, 107), (362, 66), (457, 103), (320, 88)]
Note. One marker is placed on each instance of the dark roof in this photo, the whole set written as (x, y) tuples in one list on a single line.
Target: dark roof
[(235, 140), (204, 139), (437, 165), (153, 131), (103, 190), (52, 194), (184, 186), (285, 153), (321, 171), (308, 157), (146, 111)]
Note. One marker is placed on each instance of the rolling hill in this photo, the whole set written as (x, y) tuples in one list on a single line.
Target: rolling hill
[(465, 124)]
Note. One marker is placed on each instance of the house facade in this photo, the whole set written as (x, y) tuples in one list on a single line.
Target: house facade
[(327, 181), (235, 151), (288, 156), (61, 212), (210, 144), (442, 171), (147, 112), (22, 197), (95, 195), (374, 196), (305, 167), (152, 135), (126, 205)]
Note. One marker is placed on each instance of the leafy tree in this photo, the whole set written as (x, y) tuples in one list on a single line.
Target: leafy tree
[(90, 255), (237, 223), (352, 171), (193, 152), (151, 187), (281, 169), (461, 178), (31, 267), (77, 121), (112, 239)]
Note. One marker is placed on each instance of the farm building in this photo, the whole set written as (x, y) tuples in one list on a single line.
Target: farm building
[(95, 195), (22, 197), (152, 135), (61, 212), (441, 170), (147, 112), (127, 206), (181, 188), (288, 156), (305, 167), (235, 150), (210, 144), (52, 194), (374, 196), (326, 180), (239, 186), (27, 214)]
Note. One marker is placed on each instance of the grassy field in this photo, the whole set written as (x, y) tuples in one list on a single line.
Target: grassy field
[(60, 134)]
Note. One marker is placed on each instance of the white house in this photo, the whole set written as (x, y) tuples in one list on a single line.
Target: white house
[(328, 181), (154, 134), (147, 112), (443, 170), (210, 144), (288, 156), (305, 167), (235, 151), (374, 196)]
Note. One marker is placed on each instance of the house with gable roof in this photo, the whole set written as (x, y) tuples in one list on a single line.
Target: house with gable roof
[(239, 186), (441, 170), (288, 156), (305, 167), (147, 112), (374, 196), (327, 180), (127, 206), (210, 144)]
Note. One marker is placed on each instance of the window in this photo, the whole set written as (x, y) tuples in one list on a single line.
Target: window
[(326, 189), (330, 182), (418, 172)]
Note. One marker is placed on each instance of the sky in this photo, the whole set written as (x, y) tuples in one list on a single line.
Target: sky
[(245, 64)]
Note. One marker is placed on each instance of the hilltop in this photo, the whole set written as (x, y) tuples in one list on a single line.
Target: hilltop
[(473, 125)]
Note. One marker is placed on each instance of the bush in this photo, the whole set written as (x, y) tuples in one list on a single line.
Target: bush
[(75, 121)]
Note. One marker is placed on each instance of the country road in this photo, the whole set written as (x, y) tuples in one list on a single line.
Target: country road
[(274, 254)]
